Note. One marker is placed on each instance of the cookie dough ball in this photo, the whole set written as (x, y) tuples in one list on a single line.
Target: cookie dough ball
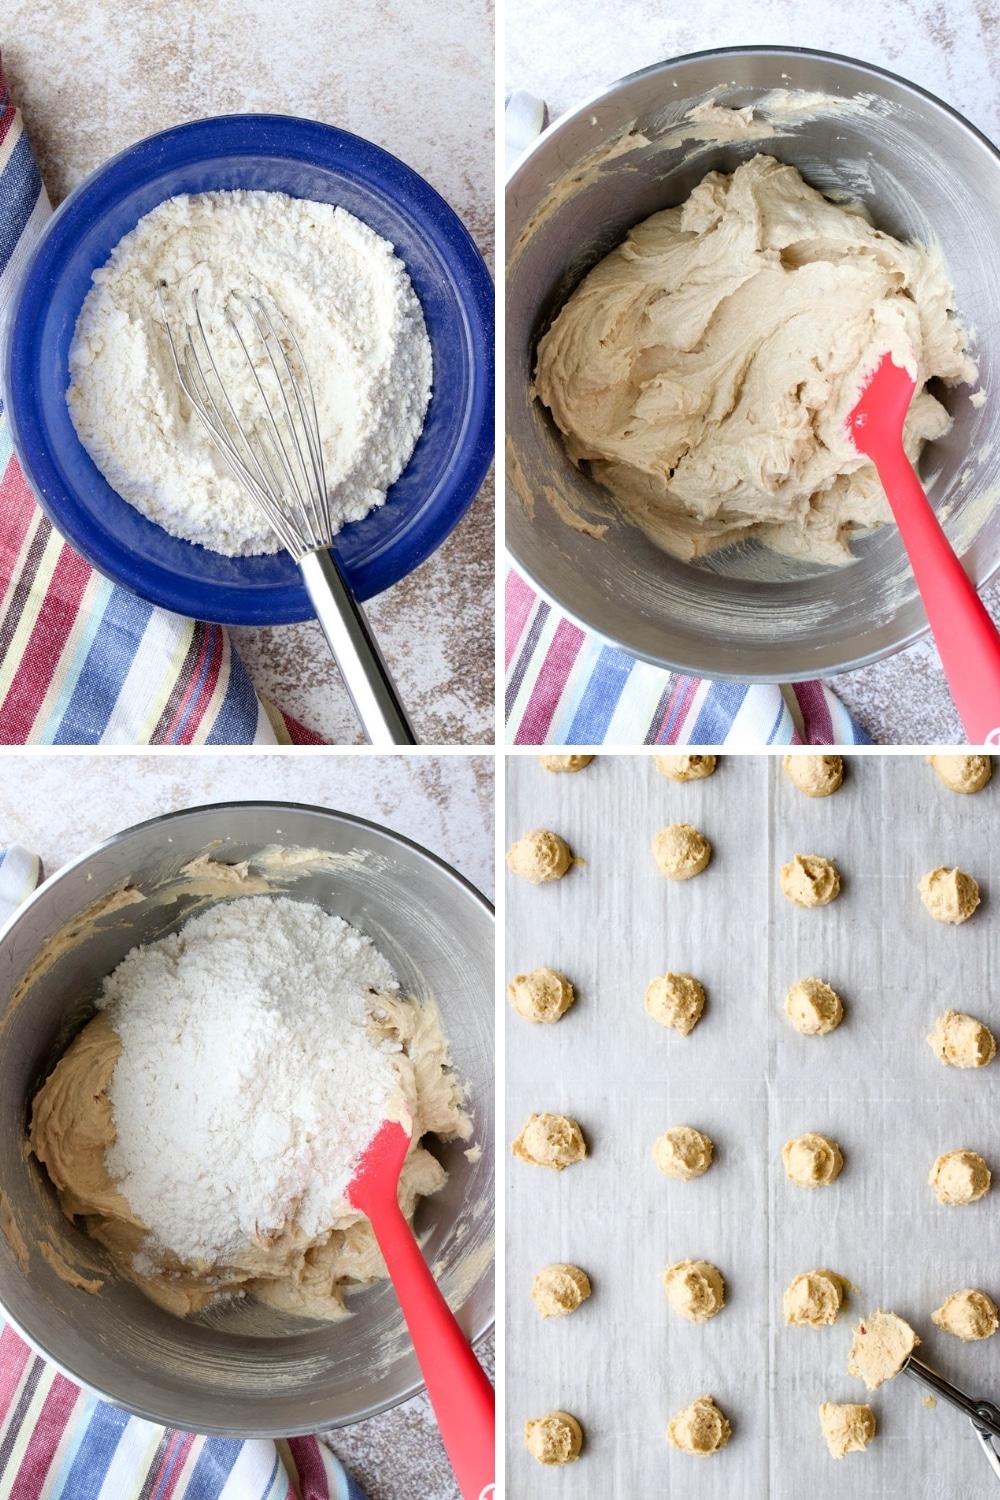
[(555, 1438), (559, 1289), (847, 1429), (881, 1345), (539, 856), (550, 1141), (683, 1152), (685, 767), (565, 762), (813, 1007), (812, 1160), (960, 1177), (814, 1299), (961, 1041), (968, 1315), (681, 851), (816, 775), (949, 895), (810, 880), (675, 1000), (962, 773), (700, 1429), (541, 996), (695, 1290)]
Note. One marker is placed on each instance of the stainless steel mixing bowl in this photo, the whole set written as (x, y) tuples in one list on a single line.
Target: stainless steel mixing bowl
[(923, 173), (242, 1369)]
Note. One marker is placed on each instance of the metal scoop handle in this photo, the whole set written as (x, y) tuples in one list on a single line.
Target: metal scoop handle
[(983, 1415), (365, 674)]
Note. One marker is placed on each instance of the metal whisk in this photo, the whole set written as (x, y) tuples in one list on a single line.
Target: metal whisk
[(277, 457)]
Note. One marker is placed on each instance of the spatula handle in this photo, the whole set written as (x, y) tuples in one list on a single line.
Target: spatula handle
[(460, 1393), (966, 637)]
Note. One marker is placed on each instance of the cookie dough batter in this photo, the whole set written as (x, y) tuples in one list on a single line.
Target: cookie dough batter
[(683, 1152), (962, 773), (681, 851), (810, 880), (565, 762), (539, 856), (553, 1439), (542, 996), (550, 1141), (813, 1007), (816, 775), (676, 1000), (559, 1289), (812, 1160), (705, 367), (881, 1344), (814, 1299), (695, 1289), (73, 1130), (685, 767), (968, 1315), (847, 1428), (960, 1177), (700, 1429), (949, 895), (960, 1041)]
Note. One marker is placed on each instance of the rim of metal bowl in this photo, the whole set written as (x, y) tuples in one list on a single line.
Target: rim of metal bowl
[(479, 1334), (523, 564), (282, 600)]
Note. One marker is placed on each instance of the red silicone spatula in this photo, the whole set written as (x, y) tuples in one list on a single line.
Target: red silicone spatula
[(460, 1393), (966, 638)]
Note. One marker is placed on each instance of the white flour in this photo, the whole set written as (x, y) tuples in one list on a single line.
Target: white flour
[(247, 1085), (347, 299)]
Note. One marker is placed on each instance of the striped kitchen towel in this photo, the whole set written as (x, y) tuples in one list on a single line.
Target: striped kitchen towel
[(59, 1442), (83, 661), (567, 687)]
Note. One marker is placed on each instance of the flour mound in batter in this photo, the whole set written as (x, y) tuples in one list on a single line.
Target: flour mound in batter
[(704, 369), (345, 296), (206, 1122)]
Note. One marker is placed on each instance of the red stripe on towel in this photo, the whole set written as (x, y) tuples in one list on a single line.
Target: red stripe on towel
[(518, 601), (45, 646), (548, 689)]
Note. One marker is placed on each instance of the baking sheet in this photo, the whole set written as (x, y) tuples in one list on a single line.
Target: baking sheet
[(623, 1363)]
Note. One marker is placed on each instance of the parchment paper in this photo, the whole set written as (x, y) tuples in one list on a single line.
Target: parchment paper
[(624, 1363)]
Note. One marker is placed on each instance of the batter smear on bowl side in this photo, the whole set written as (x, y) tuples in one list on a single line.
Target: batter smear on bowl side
[(350, 305), (206, 1122), (704, 369)]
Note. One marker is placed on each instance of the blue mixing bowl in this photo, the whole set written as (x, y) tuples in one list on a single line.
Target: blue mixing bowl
[(274, 153)]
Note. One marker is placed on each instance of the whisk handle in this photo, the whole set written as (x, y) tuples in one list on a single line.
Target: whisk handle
[(365, 674)]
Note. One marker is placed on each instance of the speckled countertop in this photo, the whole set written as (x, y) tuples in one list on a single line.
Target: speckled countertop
[(92, 76), (564, 50), (59, 805)]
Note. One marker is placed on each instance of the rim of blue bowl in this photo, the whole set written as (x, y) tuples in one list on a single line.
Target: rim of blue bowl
[(262, 590)]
